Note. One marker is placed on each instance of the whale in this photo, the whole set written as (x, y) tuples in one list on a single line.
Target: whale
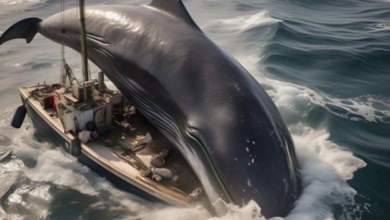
[(203, 100)]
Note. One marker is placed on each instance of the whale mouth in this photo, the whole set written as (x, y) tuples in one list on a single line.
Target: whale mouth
[(196, 136)]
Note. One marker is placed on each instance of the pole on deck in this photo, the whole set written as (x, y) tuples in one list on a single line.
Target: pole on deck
[(83, 40)]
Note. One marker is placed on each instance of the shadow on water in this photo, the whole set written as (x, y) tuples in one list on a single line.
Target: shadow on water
[(71, 204)]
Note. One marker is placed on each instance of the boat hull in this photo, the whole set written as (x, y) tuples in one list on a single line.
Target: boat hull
[(49, 134)]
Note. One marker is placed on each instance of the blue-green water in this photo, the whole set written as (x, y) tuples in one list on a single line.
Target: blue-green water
[(324, 63)]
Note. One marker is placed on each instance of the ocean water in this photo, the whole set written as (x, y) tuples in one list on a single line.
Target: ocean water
[(324, 63)]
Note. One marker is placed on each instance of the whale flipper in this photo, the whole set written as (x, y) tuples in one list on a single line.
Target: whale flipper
[(175, 8), (25, 29)]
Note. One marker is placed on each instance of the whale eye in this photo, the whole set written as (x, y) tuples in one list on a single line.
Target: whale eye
[(192, 130)]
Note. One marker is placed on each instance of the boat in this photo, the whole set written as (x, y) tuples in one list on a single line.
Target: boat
[(105, 132)]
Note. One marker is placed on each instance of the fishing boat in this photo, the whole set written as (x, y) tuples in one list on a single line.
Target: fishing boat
[(105, 132)]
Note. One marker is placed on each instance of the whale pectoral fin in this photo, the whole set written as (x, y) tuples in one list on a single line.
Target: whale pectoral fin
[(175, 8), (25, 29)]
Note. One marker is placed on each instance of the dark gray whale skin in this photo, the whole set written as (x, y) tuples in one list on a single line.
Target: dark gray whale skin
[(200, 98)]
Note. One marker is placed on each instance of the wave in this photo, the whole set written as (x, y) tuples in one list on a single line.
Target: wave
[(15, 2), (242, 24), (33, 65)]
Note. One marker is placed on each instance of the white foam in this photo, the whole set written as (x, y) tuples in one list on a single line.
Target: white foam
[(362, 108), (52, 165), (31, 199), (25, 151), (15, 2), (325, 169), (171, 213), (242, 23), (251, 211), (55, 167), (41, 192), (12, 216), (378, 27), (12, 166)]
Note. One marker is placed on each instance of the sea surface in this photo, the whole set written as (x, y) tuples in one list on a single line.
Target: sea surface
[(325, 63)]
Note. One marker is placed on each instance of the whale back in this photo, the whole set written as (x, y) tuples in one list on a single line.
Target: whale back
[(175, 8)]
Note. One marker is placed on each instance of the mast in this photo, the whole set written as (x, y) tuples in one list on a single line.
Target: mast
[(83, 40)]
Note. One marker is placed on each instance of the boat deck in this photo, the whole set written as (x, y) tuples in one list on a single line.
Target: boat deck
[(127, 152)]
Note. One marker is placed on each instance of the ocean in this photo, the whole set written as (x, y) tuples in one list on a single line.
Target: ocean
[(324, 63)]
